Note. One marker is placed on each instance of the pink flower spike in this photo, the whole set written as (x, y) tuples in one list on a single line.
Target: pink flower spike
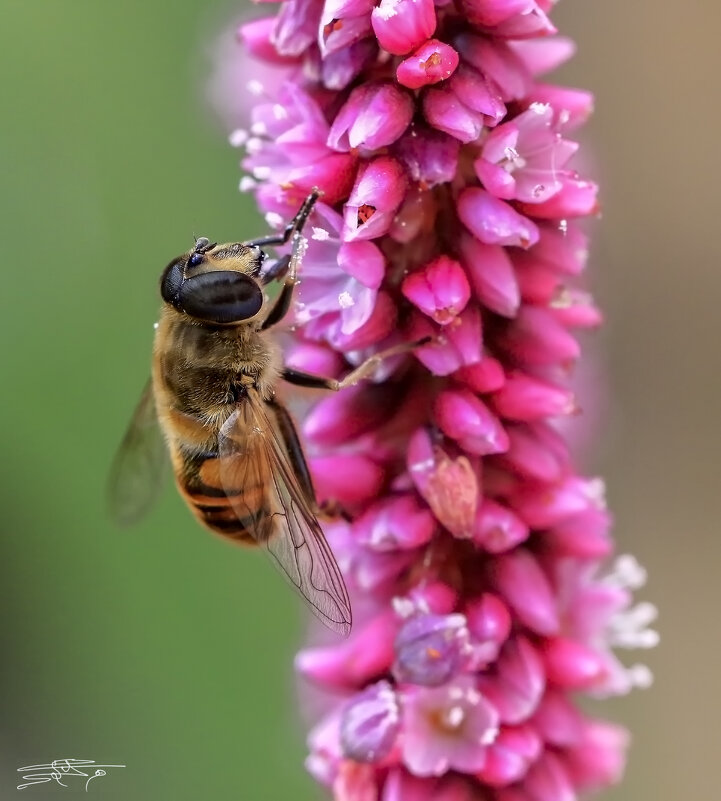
[(377, 194), (448, 728), (470, 543), (373, 117), (439, 290), (433, 62), (463, 417), (449, 486), (493, 221), (402, 25)]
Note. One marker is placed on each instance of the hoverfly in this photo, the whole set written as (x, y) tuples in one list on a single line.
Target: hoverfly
[(211, 403)]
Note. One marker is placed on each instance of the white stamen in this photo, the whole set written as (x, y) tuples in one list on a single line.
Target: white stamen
[(455, 716), (262, 173), (345, 300), (320, 234), (238, 137), (259, 128), (255, 87), (563, 226), (538, 108), (254, 145), (489, 737), (630, 628), (595, 490), (640, 676), (273, 219), (403, 607), (626, 573), (247, 183), (279, 112)]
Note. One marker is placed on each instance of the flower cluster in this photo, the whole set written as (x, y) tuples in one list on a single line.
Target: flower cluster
[(473, 550)]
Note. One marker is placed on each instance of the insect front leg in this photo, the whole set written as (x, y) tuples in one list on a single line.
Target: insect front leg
[(295, 225), (364, 370)]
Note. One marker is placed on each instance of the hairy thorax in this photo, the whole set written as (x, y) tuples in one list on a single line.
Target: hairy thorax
[(202, 371)]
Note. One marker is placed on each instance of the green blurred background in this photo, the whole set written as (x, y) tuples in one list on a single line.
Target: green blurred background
[(162, 647)]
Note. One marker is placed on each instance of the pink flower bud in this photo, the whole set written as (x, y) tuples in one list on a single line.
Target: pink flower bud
[(519, 579), (402, 25), (491, 274), (374, 116), (256, 37), (378, 191), (489, 619), (548, 780), (536, 452), (517, 688), (523, 397), (536, 338), (433, 62), (493, 221), (458, 346), (396, 523), (348, 479), (364, 655), (465, 418), (429, 156), (370, 723), (485, 376), (510, 756), (572, 664), (439, 290), (431, 649), (497, 529), (599, 758)]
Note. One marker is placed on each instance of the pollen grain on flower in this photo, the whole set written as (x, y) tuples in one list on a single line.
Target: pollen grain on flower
[(478, 558)]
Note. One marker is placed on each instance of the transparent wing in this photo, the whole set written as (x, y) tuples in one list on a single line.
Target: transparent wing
[(140, 464), (266, 496)]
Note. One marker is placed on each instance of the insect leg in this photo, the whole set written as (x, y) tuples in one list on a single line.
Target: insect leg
[(295, 225), (277, 269), (363, 370), (286, 429)]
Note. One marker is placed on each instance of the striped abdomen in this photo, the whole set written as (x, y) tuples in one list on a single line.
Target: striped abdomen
[(198, 477)]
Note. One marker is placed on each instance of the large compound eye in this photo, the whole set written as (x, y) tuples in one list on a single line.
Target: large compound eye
[(171, 281), (221, 297)]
